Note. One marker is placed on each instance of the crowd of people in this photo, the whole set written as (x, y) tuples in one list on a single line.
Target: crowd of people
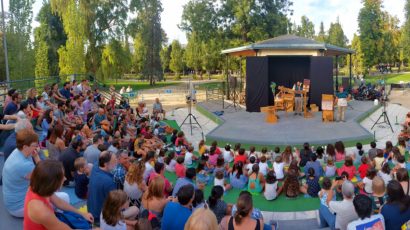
[(116, 158)]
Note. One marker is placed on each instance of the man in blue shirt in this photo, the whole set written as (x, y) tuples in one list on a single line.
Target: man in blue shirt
[(101, 183), (65, 91), (189, 178), (176, 214), (13, 106)]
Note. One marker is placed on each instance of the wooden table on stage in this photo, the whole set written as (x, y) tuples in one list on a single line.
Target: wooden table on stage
[(270, 114)]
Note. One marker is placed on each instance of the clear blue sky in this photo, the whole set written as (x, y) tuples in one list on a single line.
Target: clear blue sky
[(316, 10)]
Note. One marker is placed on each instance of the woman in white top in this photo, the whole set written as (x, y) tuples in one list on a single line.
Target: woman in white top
[(134, 184)]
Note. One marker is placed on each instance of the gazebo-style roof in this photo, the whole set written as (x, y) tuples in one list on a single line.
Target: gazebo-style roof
[(288, 45)]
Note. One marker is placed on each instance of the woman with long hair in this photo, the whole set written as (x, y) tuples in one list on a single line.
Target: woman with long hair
[(111, 215), (396, 211), (56, 94), (216, 204), (55, 143), (134, 185), (287, 155), (340, 151), (331, 152), (153, 199), (242, 217), (46, 179)]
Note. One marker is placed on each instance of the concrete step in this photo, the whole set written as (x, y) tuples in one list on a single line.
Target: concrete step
[(298, 224)]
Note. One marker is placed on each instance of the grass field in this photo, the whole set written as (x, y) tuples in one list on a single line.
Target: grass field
[(138, 85), (390, 78)]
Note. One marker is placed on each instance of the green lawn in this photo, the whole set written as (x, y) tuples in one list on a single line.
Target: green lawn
[(137, 85), (390, 78)]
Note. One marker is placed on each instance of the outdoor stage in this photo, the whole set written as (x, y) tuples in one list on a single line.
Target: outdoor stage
[(251, 129)]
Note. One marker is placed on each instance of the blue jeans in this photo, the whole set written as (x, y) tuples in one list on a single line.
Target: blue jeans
[(326, 217)]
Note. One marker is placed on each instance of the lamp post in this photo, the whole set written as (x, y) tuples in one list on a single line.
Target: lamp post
[(6, 60)]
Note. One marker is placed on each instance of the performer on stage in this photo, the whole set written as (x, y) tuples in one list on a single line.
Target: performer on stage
[(341, 102), (298, 98)]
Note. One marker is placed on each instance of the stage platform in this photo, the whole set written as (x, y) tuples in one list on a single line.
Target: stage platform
[(251, 129)]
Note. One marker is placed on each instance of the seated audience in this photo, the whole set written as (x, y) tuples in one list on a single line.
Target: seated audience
[(176, 213), (396, 210), (363, 207), (81, 174), (41, 198), (17, 171), (188, 179)]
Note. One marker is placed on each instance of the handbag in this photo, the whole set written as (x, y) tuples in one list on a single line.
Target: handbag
[(73, 220)]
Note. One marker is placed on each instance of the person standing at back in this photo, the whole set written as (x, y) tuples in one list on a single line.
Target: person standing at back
[(298, 98)]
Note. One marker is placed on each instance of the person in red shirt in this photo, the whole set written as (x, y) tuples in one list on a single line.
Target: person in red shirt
[(111, 103), (348, 167), (217, 150), (241, 156), (159, 172), (363, 167), (180, 167)]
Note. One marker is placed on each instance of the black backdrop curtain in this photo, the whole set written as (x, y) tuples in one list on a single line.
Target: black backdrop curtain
[(286, 71), (257, 83)]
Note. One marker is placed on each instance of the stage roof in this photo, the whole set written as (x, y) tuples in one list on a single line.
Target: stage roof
[(288, 43)]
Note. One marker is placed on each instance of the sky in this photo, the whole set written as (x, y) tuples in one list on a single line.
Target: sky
[(316, 10)]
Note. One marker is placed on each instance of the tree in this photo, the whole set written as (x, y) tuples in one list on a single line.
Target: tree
[(105, 20), (193, 54), (166, 57), (254, 20), (371, 35), (152, 36), (405, 40), (72, 55), (321, 37), (211, 55), (21, 55), (357, 58), (114, 60), (51, 32), (306, 28), (391, 39), (337, 37), (176, 63)]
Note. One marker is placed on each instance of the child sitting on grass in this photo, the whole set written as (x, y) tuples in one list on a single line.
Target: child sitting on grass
[(170, 162), (221, 166), (256, 180), (312, 187), (220, 180), (326, 193), (363, 167), (180, 167), (202, 176), (368, 181), (278, 167), (248, 167), (228, 154), (81, 177), (271, 187), (263, 166), (264, 153), (291, 184), (241, 156), (330, 168), (212, 156)]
